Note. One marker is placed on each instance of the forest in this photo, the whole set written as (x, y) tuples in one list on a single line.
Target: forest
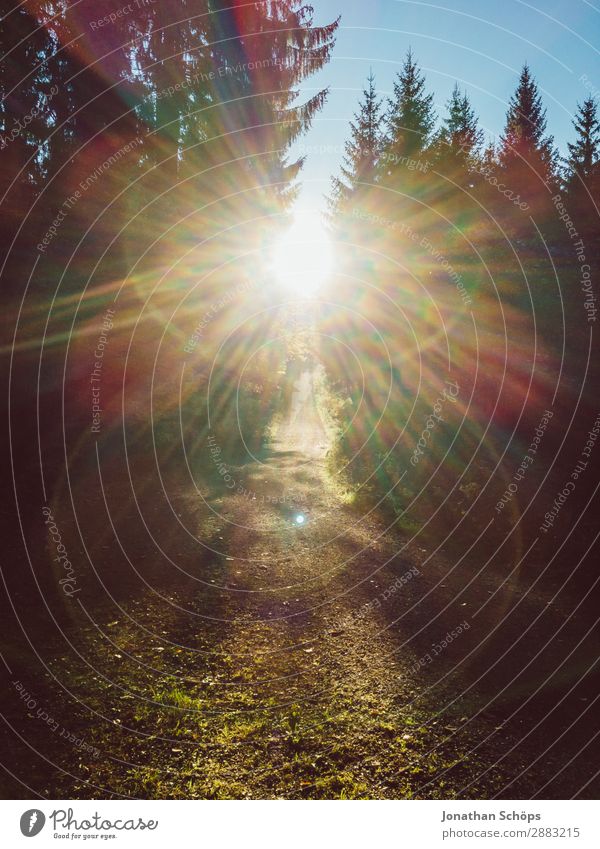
[(297, 516)]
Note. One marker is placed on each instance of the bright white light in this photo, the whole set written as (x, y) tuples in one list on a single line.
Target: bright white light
[(302, 258), (300, 519)]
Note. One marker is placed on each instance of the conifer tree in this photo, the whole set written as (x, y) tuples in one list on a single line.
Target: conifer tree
[(525, 149), (457, 146), (262, 51), (410, 118), (582, 162), (361, 150), (460, 135), (489, 162)]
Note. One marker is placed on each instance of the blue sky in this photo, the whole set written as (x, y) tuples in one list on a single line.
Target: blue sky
[(481, 44)]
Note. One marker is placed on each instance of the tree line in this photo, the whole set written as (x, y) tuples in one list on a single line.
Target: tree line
[(398, 146), (464, 260)]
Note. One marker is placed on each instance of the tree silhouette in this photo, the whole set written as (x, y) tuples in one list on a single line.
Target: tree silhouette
[(361, 150), (410, 118), (581, 175), (460, 133), (526, 154)]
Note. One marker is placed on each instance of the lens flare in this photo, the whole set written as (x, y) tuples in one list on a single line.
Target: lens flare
[(302, 258)]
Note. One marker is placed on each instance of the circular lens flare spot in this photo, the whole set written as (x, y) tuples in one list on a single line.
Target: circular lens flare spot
[(300, 519)]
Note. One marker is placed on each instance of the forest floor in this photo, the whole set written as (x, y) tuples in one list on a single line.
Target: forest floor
[(285, 654)]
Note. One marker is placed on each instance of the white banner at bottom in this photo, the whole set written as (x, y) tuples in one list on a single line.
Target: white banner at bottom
[(295, 824)]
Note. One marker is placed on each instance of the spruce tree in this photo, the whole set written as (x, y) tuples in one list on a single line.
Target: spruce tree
[(410, 118), (582, 162), (524, 148), (241, 67), (489, 162), (361, 150), (460, 136), (457, 146), (279, 47)]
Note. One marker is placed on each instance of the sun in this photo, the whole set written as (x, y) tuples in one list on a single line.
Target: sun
[(302, 258)]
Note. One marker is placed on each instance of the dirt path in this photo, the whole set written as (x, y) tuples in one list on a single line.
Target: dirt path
[(287, 654)]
